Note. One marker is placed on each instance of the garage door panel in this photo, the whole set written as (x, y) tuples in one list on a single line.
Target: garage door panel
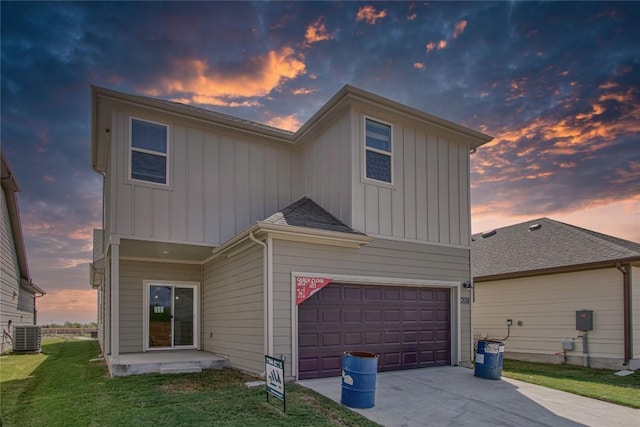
[(330, 316), (352, 316), (373, 338), (406, 327), (372, 316), (308, 316), (372, 295), (352, 338), (331, 339), (392, 316), (391, 295), (308, 340)]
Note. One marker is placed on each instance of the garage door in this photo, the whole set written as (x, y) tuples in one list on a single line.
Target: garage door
[(407, 327)]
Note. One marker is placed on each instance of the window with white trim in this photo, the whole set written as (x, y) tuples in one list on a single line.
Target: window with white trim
[(149, 152), (378, 151)]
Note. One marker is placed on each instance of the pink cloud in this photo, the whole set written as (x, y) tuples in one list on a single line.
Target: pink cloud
[(370, 15)]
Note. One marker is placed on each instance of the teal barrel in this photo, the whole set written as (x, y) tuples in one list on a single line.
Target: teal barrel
[(359, 371), (489, 358)]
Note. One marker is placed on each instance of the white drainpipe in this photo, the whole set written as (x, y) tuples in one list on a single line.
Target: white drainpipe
[(265, 281)]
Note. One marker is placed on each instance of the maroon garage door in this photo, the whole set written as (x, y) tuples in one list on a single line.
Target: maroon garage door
[(407, 327)]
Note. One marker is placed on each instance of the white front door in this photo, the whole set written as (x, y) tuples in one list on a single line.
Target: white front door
[(171, 316)]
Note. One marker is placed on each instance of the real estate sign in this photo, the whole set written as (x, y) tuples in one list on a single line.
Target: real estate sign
[(274, 376), (307, 286)]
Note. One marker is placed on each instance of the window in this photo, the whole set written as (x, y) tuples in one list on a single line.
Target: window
[(378, 151), (149, 151)]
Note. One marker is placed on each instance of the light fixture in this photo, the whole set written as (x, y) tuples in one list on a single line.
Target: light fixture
[(166, 252)]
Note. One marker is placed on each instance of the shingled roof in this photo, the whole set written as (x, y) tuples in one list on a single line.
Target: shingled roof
[(545, 245), (307, 213)]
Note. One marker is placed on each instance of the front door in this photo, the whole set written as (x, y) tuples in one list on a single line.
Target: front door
[(172, 316)]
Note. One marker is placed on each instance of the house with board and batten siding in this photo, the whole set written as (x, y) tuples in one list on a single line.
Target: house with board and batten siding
[(544, 275), (18, 293), (227, 238)]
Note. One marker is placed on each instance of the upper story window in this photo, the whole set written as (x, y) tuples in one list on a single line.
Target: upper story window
[(149, 151), (378, 151)]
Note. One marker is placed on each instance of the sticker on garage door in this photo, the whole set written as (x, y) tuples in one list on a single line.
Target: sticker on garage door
[(307, 286)]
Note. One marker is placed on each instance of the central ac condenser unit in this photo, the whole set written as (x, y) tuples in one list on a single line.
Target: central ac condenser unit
[(27, 339)]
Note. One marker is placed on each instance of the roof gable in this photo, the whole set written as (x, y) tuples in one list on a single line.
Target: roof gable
[(11, 187), (307, 213), (524, 248)]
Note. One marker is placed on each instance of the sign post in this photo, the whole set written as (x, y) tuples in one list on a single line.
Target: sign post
[(274, 378)]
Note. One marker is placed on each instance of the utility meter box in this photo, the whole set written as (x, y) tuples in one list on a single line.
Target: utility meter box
[(584, 320)]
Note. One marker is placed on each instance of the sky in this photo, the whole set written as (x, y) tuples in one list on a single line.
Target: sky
[(556, 84)]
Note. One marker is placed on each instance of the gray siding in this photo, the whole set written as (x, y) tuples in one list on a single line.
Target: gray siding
[(132, 275), (429, 199), (326, 165), (546, 307), (233, 308), (16, 304), (381, 258), (219, 184)]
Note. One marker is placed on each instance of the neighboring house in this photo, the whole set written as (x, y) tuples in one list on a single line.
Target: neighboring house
[(217, 230), (539, 274), (17, 291)]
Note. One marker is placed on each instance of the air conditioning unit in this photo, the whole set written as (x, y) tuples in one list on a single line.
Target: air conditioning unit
[(27, 339)]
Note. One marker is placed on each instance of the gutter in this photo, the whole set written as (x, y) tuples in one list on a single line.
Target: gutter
[(626, 311), (265, 282)]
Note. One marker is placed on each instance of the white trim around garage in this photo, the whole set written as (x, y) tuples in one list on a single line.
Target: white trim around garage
[(382, 281)]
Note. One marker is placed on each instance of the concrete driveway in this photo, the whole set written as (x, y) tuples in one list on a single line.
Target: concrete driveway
[(452, 396)]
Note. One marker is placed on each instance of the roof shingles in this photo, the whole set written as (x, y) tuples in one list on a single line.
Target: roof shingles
[(516, 249), (306, 213)]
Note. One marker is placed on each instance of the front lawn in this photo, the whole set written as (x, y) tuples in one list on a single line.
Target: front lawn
[(599, 384), (61, 386)]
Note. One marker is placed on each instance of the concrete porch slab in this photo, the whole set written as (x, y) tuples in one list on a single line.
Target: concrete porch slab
[(164, 362)]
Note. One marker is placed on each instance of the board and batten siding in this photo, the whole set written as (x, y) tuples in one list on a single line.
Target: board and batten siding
[(16, 304), (429, 198), (233, 308), (381, 258), (219, 184), (132, 277), (326, 168), (546, 306)]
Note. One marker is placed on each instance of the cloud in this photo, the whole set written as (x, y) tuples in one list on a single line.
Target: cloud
[(370, 15), (459, 28), (419, 65), (316, 32), (200, 82), (290, 122), (303, 91), (432, 45)]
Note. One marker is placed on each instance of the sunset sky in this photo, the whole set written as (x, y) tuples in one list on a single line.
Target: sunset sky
[(557, 84)]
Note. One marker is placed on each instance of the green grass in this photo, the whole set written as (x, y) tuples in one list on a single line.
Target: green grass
[(61, 387), (599, 384)]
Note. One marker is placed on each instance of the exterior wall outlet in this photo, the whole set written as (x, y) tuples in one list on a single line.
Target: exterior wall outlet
[(509, 322)]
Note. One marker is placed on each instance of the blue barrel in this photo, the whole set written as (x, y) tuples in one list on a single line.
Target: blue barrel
[(489, 358), (359, 379)]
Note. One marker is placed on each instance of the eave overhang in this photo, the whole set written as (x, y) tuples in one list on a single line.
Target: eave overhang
[(557, 270), (261, 229)]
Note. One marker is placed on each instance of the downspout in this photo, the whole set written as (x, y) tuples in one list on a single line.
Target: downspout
[(265, 275), (270, 292), (626, 310)]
